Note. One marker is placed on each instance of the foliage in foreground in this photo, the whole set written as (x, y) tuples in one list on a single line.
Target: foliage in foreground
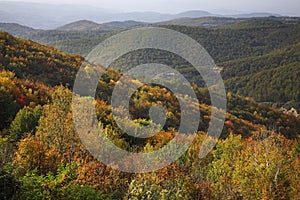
[(51, 163)]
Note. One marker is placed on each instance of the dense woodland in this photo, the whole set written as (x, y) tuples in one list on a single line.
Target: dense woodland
[(256, 157), (258, 47)]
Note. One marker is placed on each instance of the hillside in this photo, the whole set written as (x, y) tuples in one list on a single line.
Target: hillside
[(32, 61), (115, 25), (42, 155), (194, 14), (88, 26), (247, 52), (280, 84), (255, 64), (226, 44), (272, 77), (82, 25), (258, 14), (17, 29), (73, 42), (223, 44), (264, 22), (244, 48), (238, 38), (202, 21), (36, 62)]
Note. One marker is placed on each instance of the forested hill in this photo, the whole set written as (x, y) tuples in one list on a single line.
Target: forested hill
[(254, 64), (273, 77), (243, 49), (17, 29), (36, 62), (227, 43), (42, 156), (48, 66), (88, 26), (259, 57), (246, 37)]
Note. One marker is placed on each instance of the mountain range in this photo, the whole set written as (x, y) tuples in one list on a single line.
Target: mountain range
[(47, 145), (91, 26), (29, 71), (50, 16), (86, 25), (252, 53)]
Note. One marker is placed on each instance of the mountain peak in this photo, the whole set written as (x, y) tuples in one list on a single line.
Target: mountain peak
[(80, 25), (194, 14)]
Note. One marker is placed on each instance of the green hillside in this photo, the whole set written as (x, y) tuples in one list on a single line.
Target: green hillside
[(203, 21), (254, 64), (226, 44), (263, 22), (280, 84), (273, 77), (79, 42), (88, 26), (251, 37)]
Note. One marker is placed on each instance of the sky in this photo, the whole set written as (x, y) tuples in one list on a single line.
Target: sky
[(285, 7)]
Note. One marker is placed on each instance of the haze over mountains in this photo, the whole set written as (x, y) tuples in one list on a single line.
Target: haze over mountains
[(50, 16), (47, 143), (84, 25), (232, 41), (251, 52)]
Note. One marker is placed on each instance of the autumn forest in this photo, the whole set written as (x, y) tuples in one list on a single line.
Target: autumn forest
[(257, 155)]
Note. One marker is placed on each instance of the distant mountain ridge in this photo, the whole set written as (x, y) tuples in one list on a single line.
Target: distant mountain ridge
[(207, 22), (80, 25), (203, 21), (50, 16), (195, 14), (86, 25), (258, 14), (16, 29)]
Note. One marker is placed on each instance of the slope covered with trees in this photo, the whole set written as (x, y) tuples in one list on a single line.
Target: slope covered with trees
[(246, 37), (42, 157), (273, 77), (32, 61)]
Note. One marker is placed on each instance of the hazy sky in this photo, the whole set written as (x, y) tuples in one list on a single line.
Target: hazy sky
[(288, 7)]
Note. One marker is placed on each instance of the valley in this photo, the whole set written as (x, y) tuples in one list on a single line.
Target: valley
[(256, 156)]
